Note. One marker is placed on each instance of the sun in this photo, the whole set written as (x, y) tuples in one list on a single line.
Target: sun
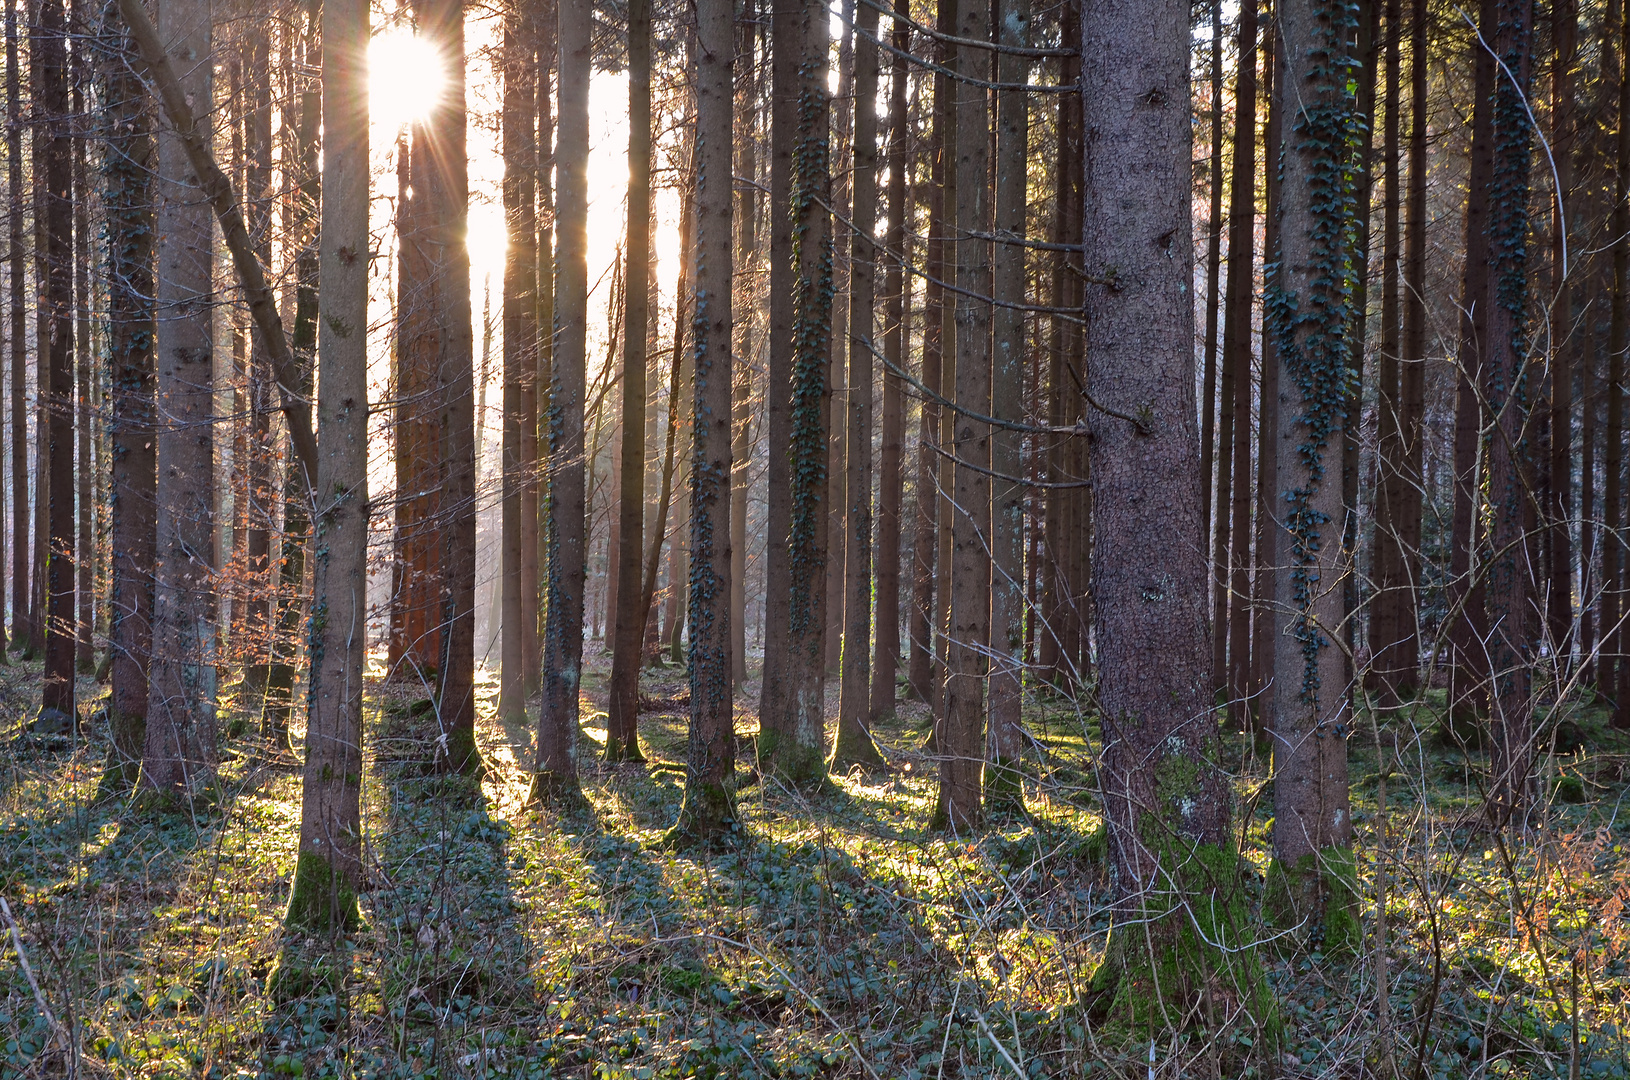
[(406, 77)]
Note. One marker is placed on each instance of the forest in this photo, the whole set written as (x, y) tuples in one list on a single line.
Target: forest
[(650, 540)]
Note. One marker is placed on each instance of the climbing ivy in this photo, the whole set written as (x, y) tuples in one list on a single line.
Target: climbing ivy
[(1312, 331)]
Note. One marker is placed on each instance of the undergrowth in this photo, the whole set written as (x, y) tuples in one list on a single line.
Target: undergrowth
[(836, 937)]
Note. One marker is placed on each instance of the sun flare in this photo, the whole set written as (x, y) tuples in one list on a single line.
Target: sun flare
[(406, 77)]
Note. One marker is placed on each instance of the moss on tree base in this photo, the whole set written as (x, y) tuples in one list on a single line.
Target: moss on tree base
[(803, 767), (852, 749), (618, 751), (1317, 897), (1185, 957), (321, 901), (707, 818), (1004, 787)]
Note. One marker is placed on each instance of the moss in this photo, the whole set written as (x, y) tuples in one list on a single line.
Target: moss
[(322, 900), (852, 748), (1317, 893), (1568, 789), (707, 817), (1185, 952), (1004, 787), (463, 756), (555, 789), (803, 767), (618, 751)]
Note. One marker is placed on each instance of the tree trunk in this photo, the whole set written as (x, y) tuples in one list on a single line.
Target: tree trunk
[(57, 292), (925, 544), (179, 757), (1264, 645), (536, 558), (1004, 744), (1468, 672), (127, 201), (328, 872), (520, 355), (306, 182), (20, 561), (746, 257), (257, 469), (1310, 319), (1386, 568), (1214, 228), (1237, 356), (1412, 373), (556, 766), (708, 808), (1167, 805), (838, 497), (853, 744), (84, 472), (1559, 588), (886, 650), (622, 724), (792, 738)]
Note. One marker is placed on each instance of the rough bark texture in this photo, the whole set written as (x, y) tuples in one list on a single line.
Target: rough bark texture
[(179, 756), (1264, 645), (622, 724), (1565, 38), (1003, 737), (853, 744), (886, 651), (255, 648), (556, 766), (925, 544), (1238, 354), (57, 294), (1309, 319), (1167, 805), (961, 749), (328, 872), (708, 807), (791, 739), (1506, 390), (85, 474), (747, 259), (16, 250), (520, 357), (127, 199)]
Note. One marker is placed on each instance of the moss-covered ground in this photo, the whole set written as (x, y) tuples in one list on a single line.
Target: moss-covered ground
[(837, 936)]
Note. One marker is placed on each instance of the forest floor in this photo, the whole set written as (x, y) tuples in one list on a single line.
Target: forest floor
[(838, 936)]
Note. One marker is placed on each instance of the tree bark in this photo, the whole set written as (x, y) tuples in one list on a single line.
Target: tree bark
[(746, 256), (20, 562), (556, 766), (1559, 590), (85, 545), (1167, 806), (853, 744), (127, 200), (180, 754), (57, 294), (925, 544), (708, 808), (1004, 746), (1310, 320), (1235, 555), (1214, 230), (520, 355), (622, 724), (791, 716), (886, 650), (328, 872)]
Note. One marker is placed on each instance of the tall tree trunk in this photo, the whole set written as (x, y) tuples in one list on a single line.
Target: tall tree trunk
[(838, 497), (39, 594), (257, 469), (1003, 737), (1559, 589), (1237, 356), (84, 473), (1406, 518), (886, 650), (520, 354), (1505, 388), (1386, 569), (57, 292), (746, 258), (1613, 670), (925, 544), (622, 724), (961, 751), (180, 753), (1264, 643), (533, 500), (328, 872), (305, 195), (556, 766), (1214, 227), (853, 744), (127, 201), (441, 186), (708, 807), (1364, 47), (1167, 805), (1468, 672), (791, 716), (1310, 319), (20, 562)]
